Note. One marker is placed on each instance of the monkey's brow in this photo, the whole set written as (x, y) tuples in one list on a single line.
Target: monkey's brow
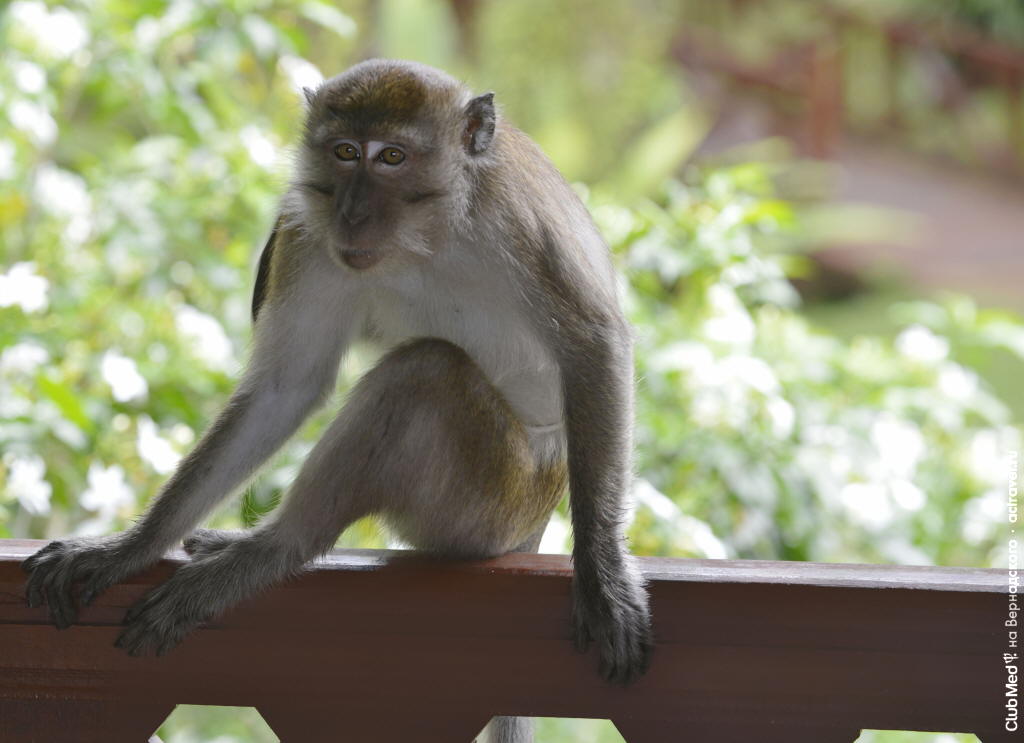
[(399, 135)]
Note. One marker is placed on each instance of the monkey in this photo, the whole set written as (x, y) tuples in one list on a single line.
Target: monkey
[(420, 220)]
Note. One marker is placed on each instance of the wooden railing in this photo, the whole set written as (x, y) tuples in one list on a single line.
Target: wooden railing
[(388, 646)]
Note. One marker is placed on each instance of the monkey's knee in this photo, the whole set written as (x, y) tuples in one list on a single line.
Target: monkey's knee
[(426, 358), (426, 371)]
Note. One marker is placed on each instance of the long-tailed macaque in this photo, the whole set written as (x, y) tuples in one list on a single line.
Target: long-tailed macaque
[(418, 219)]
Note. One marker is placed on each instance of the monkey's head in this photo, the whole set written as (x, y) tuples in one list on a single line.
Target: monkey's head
[(387, 157)]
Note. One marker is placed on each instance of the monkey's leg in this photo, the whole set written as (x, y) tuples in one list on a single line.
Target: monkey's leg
[(424, 440), (232, 566), (461, 478), (294, 363)]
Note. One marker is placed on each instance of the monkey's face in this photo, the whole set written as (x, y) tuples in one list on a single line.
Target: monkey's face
[(381, 164)]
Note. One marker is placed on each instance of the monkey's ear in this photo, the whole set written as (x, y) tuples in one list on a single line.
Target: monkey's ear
[(479, 129)]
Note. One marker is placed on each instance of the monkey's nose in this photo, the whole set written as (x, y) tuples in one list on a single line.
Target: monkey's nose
[(359, 259), (354, 216)]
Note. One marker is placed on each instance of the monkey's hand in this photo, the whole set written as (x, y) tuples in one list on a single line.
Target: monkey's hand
[(170, 611), (86, 566), (611, 611)]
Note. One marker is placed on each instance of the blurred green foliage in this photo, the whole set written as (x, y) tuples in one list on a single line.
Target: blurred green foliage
[(141, 152)]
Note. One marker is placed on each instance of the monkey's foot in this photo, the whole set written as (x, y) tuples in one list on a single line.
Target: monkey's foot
[(163, 617), (617, 620), (87, 566), (204, 542)]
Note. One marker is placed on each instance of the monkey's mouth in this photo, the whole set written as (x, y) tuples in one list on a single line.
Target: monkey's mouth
[(359, 259)]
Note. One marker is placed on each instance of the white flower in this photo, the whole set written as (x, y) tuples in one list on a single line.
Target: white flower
[(985, 458), (782, 417), (26, 484), (64, 194), (920, 344), (35, 120), (900, 445), (750, 371), (61, 192), (13, 404), (154, 449), (684, 526), (983, 515), (23, 358), (300, 72), (29, 76), (958, 383), (108, 492), (121, 373), (261, 149), (730, 322), (23, 287), (58, 32), (6, 159), (868, 504), (211, 342), (907, 495), (683, 355)]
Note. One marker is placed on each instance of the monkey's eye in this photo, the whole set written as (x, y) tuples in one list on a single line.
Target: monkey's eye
[(391, 155), (346, 151)]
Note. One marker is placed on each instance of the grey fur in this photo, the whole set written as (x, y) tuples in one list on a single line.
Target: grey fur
[(510, 372)]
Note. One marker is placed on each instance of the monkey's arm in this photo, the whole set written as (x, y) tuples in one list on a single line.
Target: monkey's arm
[(298, 341), (593, 343), (610, 604)]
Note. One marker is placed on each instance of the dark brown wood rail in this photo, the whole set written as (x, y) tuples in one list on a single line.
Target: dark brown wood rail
[(389, 646)]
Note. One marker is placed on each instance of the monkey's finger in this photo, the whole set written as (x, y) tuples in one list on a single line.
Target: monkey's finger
[(132, 615), (614, 655), (90, 590), (53, 604), (625, 657), (139, 638), (646, 650), (126, 641), (581, 637), (169, 642), (133, 639), (34, 594), (30, 563), (60, 600)]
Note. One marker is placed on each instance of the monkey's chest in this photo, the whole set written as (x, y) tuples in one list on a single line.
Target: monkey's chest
[(494, 332)]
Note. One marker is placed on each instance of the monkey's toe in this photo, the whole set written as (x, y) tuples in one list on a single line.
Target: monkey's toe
[(203, 542), (159, 622)]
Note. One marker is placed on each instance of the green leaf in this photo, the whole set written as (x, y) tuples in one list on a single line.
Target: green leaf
[(66, 401), (660, 151), (329, 17)]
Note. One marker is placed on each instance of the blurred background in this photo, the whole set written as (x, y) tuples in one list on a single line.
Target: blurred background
[(818, 209)]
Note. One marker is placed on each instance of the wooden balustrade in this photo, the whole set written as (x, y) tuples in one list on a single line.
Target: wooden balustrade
[(389, 646)]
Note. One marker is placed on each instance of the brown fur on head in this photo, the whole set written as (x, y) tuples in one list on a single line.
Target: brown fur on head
[(367, 208)]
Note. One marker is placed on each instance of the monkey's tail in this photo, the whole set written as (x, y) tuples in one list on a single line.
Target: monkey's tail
[(508, 730)]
